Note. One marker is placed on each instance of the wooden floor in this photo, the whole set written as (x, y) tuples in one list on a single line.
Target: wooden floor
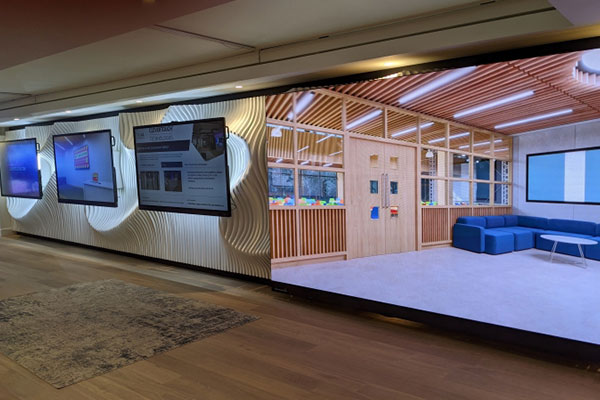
[(295, 351)]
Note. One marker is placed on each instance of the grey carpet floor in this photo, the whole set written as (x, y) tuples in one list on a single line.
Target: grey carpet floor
[(77, 332)]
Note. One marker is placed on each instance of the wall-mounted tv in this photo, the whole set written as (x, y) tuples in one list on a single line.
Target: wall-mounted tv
[(571, 176), (85, 172), (20, 174), (182, 167)]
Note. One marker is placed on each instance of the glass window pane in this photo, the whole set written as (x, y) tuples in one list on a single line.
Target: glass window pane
[(320, 188), (501, 171), (320, 149), (281, 186), (460, 193), (481, 143), (481, 169), (461, 166), (365, 119), (280, 144), (402, 126), (433, 133), (433, 162), (433, 192), (481, 194), (501, 194), (460, 138), (502, 147)]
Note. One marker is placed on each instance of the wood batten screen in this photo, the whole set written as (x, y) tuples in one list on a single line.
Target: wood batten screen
[(322, 231), (284, 243)]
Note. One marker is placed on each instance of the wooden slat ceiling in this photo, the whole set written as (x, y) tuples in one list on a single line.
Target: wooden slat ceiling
[(550, 77)]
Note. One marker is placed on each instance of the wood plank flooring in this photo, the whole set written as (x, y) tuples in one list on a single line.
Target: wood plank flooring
[(296, 350)]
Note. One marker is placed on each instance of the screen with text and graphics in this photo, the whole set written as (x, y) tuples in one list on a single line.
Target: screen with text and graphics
[(19, 170), (182, 167), (84, 168), (571, 176)]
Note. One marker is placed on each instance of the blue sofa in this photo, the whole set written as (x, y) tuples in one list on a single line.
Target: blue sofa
[(503, 234)]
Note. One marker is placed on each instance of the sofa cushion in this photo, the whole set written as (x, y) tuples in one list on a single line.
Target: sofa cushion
[(479, 221), (494, 221), (498, 242), (598, 230), (524, 238), (533, 222), (563, 248), (572, 226), (511, 220)]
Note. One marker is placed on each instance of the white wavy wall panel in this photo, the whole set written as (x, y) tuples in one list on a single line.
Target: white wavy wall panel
[(238, 244)]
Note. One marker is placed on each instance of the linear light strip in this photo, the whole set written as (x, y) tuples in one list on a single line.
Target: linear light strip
[(443, 80), (363, 119), (458, 135), (413, 129), (534, 118), (301, 104), (495, 103), (304, 148)]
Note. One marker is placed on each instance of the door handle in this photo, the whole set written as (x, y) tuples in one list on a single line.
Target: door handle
[(387, 191), (382, 196)]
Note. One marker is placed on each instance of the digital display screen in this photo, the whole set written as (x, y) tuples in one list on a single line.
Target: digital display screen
[(182, 167), (84, 168), (19, 170), (564, 177)]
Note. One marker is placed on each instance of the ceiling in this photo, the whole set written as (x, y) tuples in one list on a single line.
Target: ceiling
[(104, 56), (550, 78)]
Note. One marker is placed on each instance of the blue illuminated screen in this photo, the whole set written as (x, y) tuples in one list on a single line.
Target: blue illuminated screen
[(84, 168), (19, 172), (564, 177)]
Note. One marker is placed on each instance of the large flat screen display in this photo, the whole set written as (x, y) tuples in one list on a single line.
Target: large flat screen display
[(19, 170), (182, 167), (571, 176), (85, 172)]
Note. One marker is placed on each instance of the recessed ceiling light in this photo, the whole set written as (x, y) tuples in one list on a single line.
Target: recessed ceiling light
[(534, 118), (139, 101), (444, 79), (68, 112), (389, 64), (238, 86), (16, 119), (495, 103)]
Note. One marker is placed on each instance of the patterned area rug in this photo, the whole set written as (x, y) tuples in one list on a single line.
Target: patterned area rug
[(77, 332)]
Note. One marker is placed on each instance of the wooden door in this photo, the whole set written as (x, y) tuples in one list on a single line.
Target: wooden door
[(399, 212), (364, 197)]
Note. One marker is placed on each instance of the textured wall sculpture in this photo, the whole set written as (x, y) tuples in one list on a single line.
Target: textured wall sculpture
[(238, 244)]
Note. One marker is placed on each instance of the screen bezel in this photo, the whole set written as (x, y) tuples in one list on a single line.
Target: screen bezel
[(528, 200), (185, 210), (39, 172), (112, 163)]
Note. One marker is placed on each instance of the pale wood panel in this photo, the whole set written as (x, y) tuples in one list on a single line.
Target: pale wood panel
[(280, 106), (283, 233), (322, 231), (435, 225), (366, 235), (280, 147), (400, 230), (323, 111), (372, 127), (503, 210)]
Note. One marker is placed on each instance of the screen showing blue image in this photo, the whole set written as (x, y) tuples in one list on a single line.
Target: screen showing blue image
[(564, 177), (84, 168), (19, 171)]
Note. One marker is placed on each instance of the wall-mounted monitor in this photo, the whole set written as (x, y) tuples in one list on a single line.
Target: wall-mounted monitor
[(85, 172), (20, 174), (571, 176), (182, 167)]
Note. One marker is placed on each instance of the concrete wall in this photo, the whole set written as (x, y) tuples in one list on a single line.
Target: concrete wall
[(568, 137)]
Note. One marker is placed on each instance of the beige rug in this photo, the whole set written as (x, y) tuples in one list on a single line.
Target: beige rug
[(77, 332)]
